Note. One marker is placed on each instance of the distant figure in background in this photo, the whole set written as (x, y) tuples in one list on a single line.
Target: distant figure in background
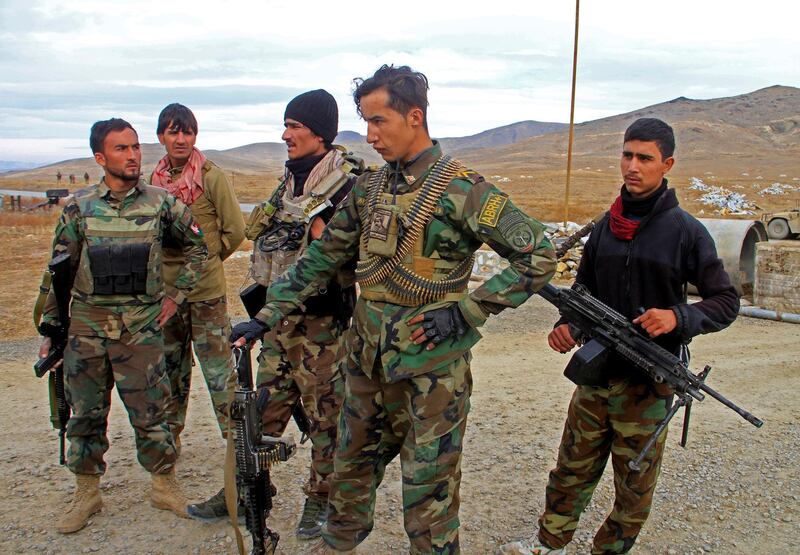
[(202, 186), (72, 179), (86, 177), (58, 178)]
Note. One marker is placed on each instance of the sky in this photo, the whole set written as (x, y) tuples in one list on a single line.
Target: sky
[(65, 64)]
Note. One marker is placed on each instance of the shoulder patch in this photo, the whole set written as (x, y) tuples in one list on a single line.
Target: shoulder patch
[(490, 212), (471, 176)]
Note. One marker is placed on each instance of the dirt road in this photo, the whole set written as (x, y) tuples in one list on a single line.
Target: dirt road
[(735, 489)]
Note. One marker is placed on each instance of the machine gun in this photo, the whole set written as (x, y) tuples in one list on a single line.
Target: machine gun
[(254, 297), (603, 331), (59, 278), (255, 454)]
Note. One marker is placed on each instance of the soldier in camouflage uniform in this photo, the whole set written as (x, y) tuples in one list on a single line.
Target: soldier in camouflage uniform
[(640, 255), (197, 182), (299, 359), (113, 232), (414, 225)]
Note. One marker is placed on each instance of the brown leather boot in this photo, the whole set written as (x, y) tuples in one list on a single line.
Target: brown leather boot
[(85, 503), (166, 494)]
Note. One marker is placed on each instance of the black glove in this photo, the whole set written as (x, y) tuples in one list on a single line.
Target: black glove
[(252, 330), (441, 323)]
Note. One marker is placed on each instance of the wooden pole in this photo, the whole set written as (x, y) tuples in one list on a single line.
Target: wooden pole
[(572, 113)]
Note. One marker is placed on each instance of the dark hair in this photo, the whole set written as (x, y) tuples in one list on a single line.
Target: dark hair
[(177, 117), (407, 89), (101, 129), (655, 130)]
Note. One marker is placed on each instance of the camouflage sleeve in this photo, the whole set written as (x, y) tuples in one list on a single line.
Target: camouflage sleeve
[(67, 238), (491, 217), (181, 226), (319, 264)]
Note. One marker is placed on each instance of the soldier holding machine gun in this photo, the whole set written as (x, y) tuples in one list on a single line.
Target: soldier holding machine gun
[(637, 261)]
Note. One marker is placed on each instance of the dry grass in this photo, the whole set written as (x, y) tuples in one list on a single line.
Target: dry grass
[(25, 239)]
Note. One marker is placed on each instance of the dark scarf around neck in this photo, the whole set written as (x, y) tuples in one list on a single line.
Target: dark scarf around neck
[(627, 211), (300, 169)]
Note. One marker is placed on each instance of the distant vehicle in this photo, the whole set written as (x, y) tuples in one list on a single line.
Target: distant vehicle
[(782, 225)]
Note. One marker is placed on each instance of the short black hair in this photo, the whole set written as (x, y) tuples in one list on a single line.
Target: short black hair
[(655, 130), (407, 89), (101, 129), (177, 117)]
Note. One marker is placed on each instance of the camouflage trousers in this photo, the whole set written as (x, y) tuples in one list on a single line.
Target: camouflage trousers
[(299, 360), (207, 324), (422, 419), (92, 365), (615, 421)]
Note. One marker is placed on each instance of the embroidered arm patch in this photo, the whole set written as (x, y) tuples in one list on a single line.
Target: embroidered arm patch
[(490, 213)]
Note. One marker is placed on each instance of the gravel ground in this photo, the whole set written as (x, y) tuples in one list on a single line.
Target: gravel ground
[(734, 489)]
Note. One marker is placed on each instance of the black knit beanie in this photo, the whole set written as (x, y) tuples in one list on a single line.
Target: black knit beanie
[(318, 111)]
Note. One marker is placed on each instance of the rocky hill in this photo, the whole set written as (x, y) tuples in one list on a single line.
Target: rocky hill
[(753, 133)]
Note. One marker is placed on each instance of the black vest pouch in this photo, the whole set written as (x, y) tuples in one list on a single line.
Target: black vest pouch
[(140, 259), (121, 268), (102, 274)]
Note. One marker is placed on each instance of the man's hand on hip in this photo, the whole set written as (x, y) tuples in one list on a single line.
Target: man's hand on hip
[(437, 325)]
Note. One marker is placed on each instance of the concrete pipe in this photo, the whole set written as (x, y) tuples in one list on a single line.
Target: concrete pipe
[(736, 246)]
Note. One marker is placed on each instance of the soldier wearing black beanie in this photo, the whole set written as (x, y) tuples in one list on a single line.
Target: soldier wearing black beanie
[(318, 111)]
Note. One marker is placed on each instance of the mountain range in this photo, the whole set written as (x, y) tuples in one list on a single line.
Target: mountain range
[(755, 133)]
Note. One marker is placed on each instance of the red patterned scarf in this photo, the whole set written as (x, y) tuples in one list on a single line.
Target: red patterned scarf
[(623, 228), (189, 185)]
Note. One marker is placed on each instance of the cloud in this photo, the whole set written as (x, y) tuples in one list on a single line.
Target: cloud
[(67, 63)]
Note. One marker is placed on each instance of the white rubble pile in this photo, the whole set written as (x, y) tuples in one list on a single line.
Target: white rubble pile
[(728, 202), (778, 189), (697, 184)]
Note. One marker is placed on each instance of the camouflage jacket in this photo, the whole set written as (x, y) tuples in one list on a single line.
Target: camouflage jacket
[(108, 315), (471, 212)]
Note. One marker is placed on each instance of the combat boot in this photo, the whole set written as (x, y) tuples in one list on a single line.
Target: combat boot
[(321, 547), (214, 509), (531, 546), (166, 494), (85, 503), (315, 512)]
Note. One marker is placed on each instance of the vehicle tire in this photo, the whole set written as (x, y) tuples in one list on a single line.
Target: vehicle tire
[(778, 228)]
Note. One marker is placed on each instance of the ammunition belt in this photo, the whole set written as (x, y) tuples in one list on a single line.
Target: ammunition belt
[(417, 290), (376, 269)]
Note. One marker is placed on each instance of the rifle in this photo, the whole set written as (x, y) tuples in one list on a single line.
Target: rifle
[(59, 276), (573, 239), (255, 454), (254, 297), (603, 331)]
